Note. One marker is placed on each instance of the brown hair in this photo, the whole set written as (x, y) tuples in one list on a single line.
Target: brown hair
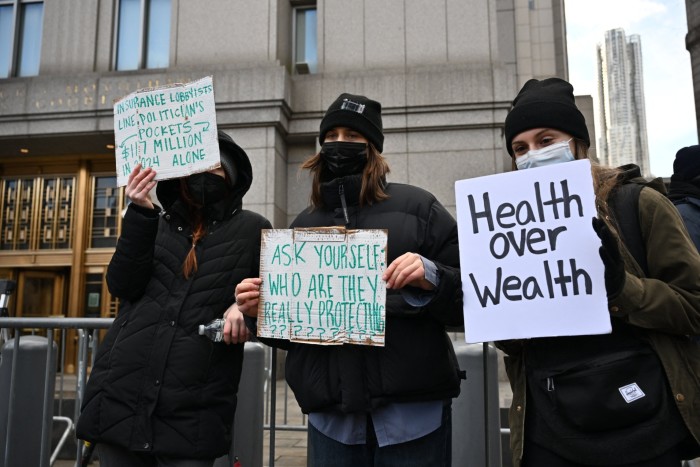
[(373, 177), (189, 266)]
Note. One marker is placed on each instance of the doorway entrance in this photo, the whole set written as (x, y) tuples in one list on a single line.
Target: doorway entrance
[(41, 293)]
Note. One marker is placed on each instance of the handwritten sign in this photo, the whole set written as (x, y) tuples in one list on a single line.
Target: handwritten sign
[(529, 255), (171, 129), (323, 286)]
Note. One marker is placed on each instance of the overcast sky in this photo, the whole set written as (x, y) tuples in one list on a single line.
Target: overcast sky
[(668, 85)]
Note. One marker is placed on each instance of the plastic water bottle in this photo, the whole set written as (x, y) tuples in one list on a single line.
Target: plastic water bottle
[(214, 330)]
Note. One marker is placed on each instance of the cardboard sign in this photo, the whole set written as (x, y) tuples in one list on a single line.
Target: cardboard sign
[(529, 255), (171, 129), (323, 285)]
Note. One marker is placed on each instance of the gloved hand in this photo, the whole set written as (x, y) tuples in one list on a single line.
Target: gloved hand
[(612, 259)]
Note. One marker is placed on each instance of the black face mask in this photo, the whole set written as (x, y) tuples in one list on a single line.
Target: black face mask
[(207, 188), (343, 158)]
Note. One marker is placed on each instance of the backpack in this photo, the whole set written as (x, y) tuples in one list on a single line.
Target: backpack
[(624, 204)]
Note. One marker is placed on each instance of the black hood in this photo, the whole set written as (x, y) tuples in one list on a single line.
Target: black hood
[(236, 165)]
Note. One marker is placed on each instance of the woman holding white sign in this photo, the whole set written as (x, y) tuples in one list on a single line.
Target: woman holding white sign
[(631, 397), (159, 393), (371, 405)]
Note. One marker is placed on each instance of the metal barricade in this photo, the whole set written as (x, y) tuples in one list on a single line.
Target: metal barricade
[(476, 431), (29, 387), (257, 394), (24, 413), (247, 445), (266, 406)]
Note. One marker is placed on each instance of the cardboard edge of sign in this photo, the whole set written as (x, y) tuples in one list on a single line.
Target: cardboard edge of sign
[(331, 231), (164, 86)]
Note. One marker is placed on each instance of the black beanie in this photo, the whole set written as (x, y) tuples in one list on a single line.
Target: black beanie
[(686, 166), (358, 113), (548, 103)]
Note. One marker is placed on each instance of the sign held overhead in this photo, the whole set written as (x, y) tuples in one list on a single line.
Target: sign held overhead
[(171, 129)]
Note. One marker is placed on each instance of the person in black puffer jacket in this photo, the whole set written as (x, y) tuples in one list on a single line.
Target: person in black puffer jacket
[(371, 405), (159, 393)]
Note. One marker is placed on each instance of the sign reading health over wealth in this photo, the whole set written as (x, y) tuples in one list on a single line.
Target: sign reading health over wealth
[(529, 255), (323, 285), (170, 128)]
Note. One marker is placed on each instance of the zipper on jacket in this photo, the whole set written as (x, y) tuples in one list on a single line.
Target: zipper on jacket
[(341, 192), (550, 384)]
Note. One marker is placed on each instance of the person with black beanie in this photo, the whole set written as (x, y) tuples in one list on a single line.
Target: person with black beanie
[(684, 189), (372, 405), (568, 410)]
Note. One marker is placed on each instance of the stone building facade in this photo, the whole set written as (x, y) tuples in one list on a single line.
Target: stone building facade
[(445, 72)]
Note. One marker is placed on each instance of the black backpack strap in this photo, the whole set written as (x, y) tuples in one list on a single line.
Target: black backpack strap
[(624, 205)]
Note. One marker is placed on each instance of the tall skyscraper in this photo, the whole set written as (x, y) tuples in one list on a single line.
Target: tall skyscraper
[(623, 135), (692, 43)]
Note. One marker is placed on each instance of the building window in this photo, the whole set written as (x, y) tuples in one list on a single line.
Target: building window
[(20, 37), (143, 34), (17, 198), (37, 213), (56, 213), (99, 303), (106, 209), (305, 40)]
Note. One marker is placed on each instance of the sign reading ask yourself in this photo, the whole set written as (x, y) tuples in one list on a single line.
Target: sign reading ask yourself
[(323, 285), (170, 128)]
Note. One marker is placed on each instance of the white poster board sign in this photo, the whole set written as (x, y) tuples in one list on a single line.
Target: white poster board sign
[(323, 285), (529, 255), (171, 129)]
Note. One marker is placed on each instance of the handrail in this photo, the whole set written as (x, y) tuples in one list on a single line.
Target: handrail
[(87, 333), (81, 324), (57, 323)]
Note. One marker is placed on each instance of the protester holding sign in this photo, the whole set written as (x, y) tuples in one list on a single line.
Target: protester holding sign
[(159, 393), (630, 397), (373, 405)]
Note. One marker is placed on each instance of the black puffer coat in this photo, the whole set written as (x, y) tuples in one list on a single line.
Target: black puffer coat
[(157, 386), (418, 362)]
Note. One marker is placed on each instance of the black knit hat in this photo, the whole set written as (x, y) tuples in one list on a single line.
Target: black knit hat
[(548, 103), (357, 112), (686, 166)]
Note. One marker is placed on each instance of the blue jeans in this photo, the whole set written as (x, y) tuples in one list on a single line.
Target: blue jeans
[(434, 449)]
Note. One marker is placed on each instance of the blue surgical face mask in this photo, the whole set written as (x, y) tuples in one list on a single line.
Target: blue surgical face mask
[(552, 154)]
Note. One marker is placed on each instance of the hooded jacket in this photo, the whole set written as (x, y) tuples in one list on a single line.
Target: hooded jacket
[(663, 308), (417, 362), (685, 194), (689, 209), (157, 386)]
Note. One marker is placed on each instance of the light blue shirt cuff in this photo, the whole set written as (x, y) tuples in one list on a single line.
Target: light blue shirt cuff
[(419, 297)]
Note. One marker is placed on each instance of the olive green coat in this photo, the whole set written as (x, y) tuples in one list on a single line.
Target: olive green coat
[(666, 305)]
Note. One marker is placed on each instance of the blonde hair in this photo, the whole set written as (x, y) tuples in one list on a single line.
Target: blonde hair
[(373, 177)]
